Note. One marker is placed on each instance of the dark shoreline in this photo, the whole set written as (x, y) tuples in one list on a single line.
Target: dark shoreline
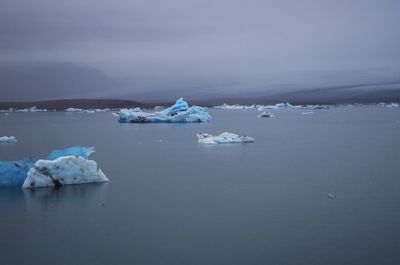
[(116, 104), (63, 104)]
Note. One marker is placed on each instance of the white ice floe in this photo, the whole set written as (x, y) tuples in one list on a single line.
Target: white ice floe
[(6, 111), (392, 105), (73, 110), (102, 110), (31, 109), (265, 114), (64, 170), (158, 108), (180, 112), (276, 106), (8, 139), (223, 138), (235, 107)]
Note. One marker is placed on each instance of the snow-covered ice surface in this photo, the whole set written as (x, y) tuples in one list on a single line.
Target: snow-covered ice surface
[(81, 151), (223, 138), (180, 112), (13, 173), (8, 139), (64, 170)]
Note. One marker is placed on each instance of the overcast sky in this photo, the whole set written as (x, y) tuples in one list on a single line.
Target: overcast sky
[(139, 47)]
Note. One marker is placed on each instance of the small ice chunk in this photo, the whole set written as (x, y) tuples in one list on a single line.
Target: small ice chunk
[(331, 195), (265, 114), (64, 170), (8, 139), (307, 112), (223, 138), (81, 151), (13, 173)]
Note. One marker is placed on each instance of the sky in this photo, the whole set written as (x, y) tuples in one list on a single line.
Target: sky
[(134, 49)]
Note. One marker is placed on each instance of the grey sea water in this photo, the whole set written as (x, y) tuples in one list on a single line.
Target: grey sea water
[(322, 188)]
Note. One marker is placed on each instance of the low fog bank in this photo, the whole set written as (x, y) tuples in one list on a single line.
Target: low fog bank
[(67, 80)]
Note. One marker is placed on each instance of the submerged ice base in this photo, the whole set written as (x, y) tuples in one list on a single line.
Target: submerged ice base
[(64, 170), (180, 112), (223, 138)]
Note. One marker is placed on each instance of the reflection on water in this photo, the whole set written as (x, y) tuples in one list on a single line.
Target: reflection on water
[(82, 196)]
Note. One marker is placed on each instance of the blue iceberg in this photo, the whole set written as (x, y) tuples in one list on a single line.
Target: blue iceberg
[(84, 152), (13, 173), (180, 112)]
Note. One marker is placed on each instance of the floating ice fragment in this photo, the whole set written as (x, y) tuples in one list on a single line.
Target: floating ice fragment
[(8, 139), (265, 114), (83, 152), (64, 170), (307, 112), (31, 109), (13, 173), (234, 107), (392, 105), (73, 110), (223, 138), (331, 195), (180, 112), (276, 106)]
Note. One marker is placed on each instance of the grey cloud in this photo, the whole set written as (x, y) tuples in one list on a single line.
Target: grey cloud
[(150, 46)]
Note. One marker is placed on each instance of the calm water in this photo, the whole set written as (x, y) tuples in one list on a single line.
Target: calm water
[(173, 201)]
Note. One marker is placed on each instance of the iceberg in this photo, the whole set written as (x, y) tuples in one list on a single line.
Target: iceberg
[(180, 112), (223, 138), (65, 170), (8, 139), (13, 173), (83, 152)]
